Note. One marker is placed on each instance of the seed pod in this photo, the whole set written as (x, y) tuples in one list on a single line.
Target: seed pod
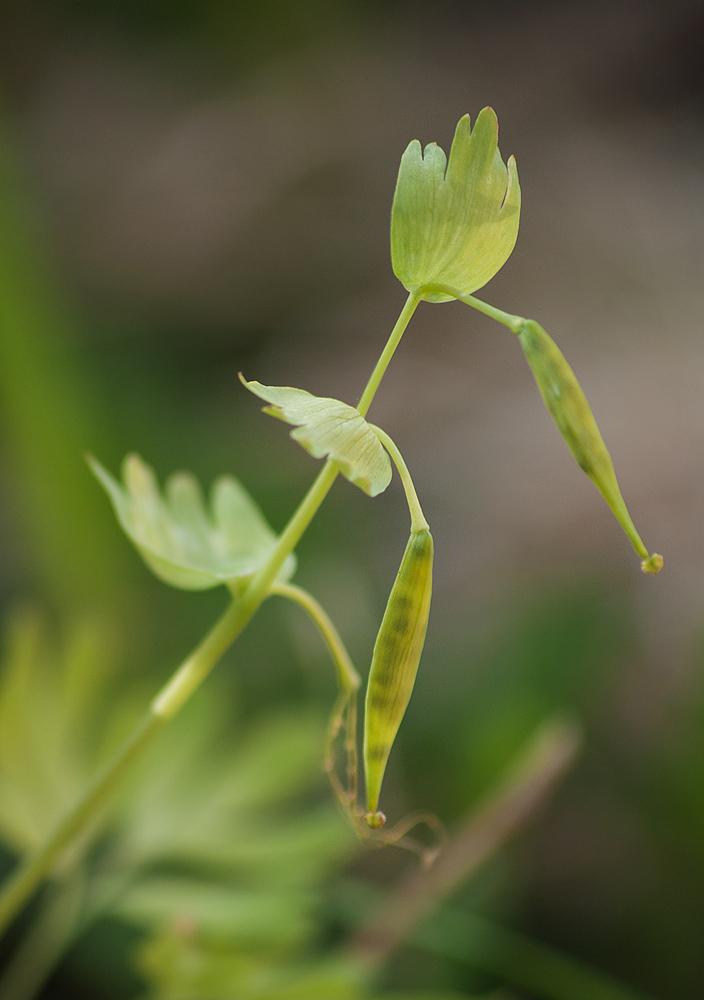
[(395, 662), (570, 410)]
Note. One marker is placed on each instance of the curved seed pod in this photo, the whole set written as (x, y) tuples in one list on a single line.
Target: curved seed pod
[(395, 663), (570, 410)]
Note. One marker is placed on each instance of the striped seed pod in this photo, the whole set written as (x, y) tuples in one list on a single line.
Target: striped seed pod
[(395, 663), (570, 410)]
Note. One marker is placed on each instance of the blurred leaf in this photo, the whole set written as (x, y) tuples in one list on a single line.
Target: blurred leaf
[(250, 919), (326, 427), (182, 964), (199, 801), (49, 699), (179, 967), (184, 544)]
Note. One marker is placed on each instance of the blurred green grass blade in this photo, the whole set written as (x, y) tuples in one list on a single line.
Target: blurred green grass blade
[(182, 965), (48, 420), (518, 960)]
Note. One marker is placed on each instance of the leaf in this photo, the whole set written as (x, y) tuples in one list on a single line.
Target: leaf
[(250, 918), (182, 964), (183, 543), (327, 427), (455, 227), (52, 687), (202, 801)]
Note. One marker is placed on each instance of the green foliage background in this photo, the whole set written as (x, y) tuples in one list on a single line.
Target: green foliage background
[(192, 189)]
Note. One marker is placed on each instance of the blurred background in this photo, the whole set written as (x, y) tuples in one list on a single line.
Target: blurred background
[(195, 188)]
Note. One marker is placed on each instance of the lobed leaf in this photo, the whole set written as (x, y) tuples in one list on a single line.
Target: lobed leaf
[(184, 543), (329, 428), (457, 226)]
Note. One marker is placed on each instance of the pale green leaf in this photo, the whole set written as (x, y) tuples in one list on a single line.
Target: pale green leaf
[(185, 543), (458, 226), (328, 428)]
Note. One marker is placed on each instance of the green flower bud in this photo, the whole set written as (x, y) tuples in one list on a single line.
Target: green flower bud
[(458, 227)]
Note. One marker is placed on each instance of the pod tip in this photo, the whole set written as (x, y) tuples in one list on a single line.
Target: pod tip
[(375, 820), (653, 564)]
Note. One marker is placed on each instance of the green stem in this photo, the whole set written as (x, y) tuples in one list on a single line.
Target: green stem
[(350, 680), (418, 521), (514, 323), (344, 712), (36, 866), (386, 355), (191, 673), (196, 667)]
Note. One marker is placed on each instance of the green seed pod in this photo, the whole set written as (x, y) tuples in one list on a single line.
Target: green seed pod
[(395, 662), (570, 410)]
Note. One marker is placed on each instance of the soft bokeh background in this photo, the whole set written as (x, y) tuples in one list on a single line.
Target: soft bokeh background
[(196, 188)]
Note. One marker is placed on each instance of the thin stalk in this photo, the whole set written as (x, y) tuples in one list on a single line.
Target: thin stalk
[(418, 521), (344, 712), (348, 677), (190, 674), (514, 323), (26, 878), (194, 669), (382, 364)]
